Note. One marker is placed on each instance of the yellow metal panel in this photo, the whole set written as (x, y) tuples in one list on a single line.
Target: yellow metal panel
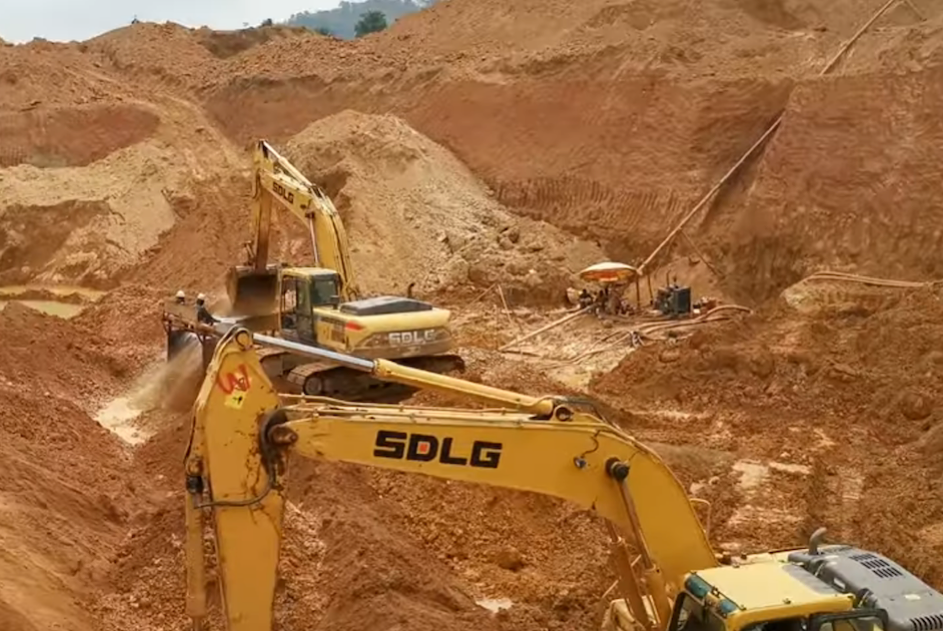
[(538, 456), (235, 393), (762, 585)]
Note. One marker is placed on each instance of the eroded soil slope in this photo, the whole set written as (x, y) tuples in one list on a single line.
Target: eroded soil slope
[(411, 204), (123, 165), (838, 407)]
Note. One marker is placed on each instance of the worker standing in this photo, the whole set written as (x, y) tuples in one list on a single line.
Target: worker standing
[(602, 298), (614, 302)]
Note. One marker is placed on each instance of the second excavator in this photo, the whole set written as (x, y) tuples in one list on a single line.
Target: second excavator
[(670, 578), (319, 305)]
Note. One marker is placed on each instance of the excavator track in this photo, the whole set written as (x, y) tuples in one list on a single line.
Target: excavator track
[(328, 380), (293, 374)]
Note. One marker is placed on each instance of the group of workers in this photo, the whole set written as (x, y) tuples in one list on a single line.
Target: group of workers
[(607, 300)]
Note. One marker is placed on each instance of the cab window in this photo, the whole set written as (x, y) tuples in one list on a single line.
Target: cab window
[(324, 292), (784, 624), (289, 294), (689, 615), (846, 621), (289, 302)]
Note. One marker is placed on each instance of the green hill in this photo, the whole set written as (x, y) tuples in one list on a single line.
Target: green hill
[(341, 21)]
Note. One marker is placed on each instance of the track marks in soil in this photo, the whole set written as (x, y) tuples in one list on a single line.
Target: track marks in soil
[(583, 206)]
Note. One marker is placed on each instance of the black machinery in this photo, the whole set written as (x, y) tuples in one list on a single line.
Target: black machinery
[(674, 301)]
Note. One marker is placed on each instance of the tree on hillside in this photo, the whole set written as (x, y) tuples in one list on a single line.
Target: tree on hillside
[(325, 31), (266, 22), (342, 20), (370, 22)]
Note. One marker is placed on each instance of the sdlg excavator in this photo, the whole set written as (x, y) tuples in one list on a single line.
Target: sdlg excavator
[(670, 578), (318, 306)]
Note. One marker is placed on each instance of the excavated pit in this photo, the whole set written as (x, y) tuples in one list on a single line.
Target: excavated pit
[(446, 142), (74, 136)]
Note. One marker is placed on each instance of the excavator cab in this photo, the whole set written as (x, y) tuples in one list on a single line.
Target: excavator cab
[(286, 293), (302, 290)]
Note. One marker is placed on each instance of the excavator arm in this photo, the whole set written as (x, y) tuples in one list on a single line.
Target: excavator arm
[(243, 434), (276, 179)]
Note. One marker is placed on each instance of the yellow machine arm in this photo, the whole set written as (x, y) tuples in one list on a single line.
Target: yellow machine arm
[(276, 178), (242, 436)]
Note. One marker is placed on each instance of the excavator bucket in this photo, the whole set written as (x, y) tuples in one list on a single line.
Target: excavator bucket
[(253, 292)]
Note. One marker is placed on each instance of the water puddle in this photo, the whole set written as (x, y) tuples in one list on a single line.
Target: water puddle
[(494, 605), (121, 415), (118, 417), (58, 290), (62, 310), (42, 298)]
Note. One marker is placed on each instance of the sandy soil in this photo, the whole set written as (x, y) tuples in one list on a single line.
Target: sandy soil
[(477, 146)]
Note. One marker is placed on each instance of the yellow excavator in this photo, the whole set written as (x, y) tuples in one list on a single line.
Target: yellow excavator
[(319, 305), (670, 578)]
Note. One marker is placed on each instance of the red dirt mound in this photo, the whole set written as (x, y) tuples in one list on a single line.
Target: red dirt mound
[(44, 74), (68, 489), (62, 511), (72, 137), (855, 362), (850, 395), (409, 202), (56, 358), (807, 210)]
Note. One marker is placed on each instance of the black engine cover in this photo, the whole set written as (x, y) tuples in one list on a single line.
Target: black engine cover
[(384, 305)]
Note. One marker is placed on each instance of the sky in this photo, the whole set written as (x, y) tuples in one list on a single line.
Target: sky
[(66, 20)]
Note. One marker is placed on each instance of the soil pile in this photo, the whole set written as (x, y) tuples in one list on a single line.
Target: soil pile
[(841, 363), (84, 224), (100, 186), (43, 352), (123, 162), (672, 38), (45, 74), (160, 55), (832, 395), (618, 126), (63, 513), (410, 204), (68, 487)]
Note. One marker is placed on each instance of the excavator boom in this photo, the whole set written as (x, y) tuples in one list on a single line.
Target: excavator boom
[(392, 372), (242, 435), (252, 288)]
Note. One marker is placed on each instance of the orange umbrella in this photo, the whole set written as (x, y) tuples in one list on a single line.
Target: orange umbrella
[(609, 272)]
